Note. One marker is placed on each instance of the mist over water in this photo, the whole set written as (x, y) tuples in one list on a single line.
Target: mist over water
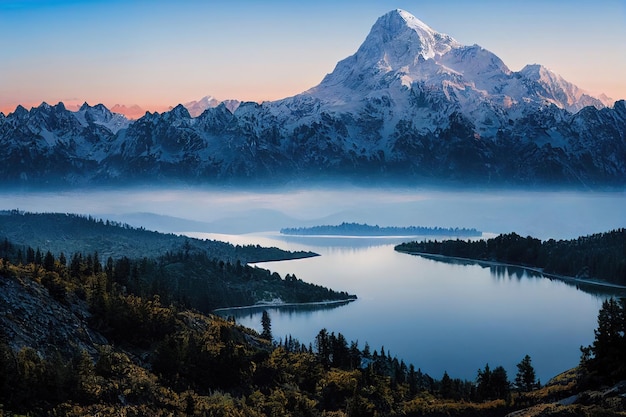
[(224, 210)]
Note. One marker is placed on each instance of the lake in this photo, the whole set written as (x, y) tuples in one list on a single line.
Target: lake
[(440, 316)]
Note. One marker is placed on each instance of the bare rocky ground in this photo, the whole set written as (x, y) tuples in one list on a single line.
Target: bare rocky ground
[(30, 317)]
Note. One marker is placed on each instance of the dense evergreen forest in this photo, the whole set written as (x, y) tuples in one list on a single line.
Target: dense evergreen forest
[(600, 256), (69, 233), (79, 337), (357, 229), (187, 278)]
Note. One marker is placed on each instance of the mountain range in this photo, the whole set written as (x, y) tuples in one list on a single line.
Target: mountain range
[(195, 107), (411, 105)]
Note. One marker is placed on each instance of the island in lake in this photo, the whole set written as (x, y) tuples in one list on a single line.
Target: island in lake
[(357, 229)]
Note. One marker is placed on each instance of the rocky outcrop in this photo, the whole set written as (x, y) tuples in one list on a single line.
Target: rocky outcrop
[(31, 317)]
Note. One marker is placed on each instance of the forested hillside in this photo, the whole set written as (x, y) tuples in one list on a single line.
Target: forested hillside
[(69, 233), (189, 278), (600, 256)]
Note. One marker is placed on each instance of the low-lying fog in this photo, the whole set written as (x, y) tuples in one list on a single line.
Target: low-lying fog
[(542, 214)]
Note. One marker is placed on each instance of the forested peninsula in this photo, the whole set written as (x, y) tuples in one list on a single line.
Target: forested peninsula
[(601, 256), (199, 274), (358, 229)]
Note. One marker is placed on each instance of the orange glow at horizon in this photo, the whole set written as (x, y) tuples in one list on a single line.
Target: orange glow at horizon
[(176, 52), (131, 111), (134, 108)]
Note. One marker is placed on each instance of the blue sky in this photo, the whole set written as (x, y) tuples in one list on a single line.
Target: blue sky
[(159, 53)]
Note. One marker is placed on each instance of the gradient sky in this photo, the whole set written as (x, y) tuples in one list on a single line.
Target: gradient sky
[(160, 53)]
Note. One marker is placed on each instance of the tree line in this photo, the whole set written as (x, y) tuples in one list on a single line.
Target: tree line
[(368, 230), (599, 256)]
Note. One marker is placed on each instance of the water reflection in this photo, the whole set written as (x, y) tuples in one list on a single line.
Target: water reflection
[(352, 242), (514, 272), (598, 289), (510, 271), (287, 309)]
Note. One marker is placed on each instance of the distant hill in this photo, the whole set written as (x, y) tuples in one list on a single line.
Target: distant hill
[(59, 232)]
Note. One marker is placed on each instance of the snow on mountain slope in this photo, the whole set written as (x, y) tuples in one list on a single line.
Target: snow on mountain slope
[(567, 95), (196, 108), (102, 116), (397, 42), (403, 57)]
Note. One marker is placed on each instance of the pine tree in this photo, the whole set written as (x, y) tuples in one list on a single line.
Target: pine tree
[(606, 357), (322, 343), (266, 323), (97, 267), (30, 255), (447, 389), (525, 379), (48, 262), (484, 389), (38, 257), (500, 383)]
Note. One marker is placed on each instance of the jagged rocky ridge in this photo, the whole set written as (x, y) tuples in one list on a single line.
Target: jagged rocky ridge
[(410, 104)]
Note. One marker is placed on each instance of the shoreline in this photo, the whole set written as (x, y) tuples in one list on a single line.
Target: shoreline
[(593, 282), (304, 255), (283, 304)]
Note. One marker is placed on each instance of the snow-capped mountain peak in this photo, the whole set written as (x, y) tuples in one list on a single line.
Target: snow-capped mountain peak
[(403, 58), (561, 92), (398, 39), (132, 112), (178, 112), (399, 50), (102, 116), (422, 39), (197, 107)]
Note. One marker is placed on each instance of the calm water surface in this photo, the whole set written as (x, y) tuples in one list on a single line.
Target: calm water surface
[(440, 316)]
